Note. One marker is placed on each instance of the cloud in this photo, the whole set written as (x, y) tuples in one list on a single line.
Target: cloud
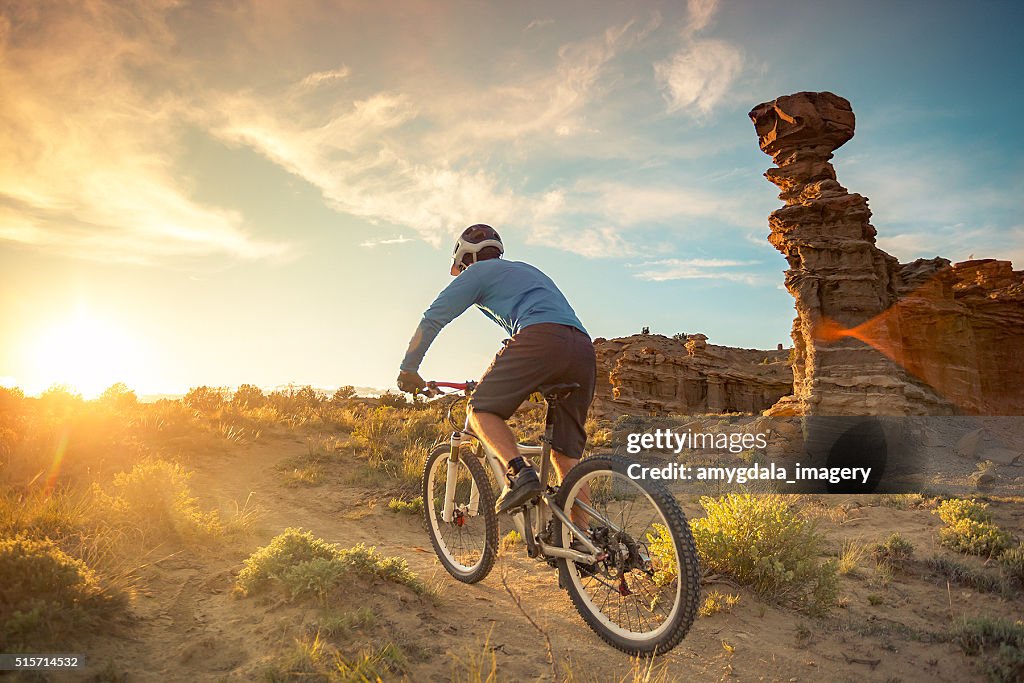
[(700, 13), (401, 239), (923, 206), (408, 157), (698, 77), (590, 242), (318, 78), (698, 269), (87, 148)]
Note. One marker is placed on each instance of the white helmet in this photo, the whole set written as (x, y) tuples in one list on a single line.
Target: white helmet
[(472, 240)]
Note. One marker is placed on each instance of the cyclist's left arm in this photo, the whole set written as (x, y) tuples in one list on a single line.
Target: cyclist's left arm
[(460, 294)]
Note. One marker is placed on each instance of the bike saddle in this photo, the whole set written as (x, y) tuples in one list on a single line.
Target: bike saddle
[(557, 391)]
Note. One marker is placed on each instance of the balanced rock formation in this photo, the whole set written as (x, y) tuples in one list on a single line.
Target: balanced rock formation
[(649, 374), (872, 336)]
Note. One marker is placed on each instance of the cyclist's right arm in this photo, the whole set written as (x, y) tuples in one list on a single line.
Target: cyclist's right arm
[(460, 294)]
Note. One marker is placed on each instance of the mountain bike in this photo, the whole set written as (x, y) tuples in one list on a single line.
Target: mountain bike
[(632, 573)]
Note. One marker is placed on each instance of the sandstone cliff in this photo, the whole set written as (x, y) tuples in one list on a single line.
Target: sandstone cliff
[(651, 374), (872, 336)]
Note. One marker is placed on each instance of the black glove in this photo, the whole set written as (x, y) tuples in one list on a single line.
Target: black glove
[(410, 382)]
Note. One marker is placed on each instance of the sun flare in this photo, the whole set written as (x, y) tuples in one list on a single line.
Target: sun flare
[(86, 354)]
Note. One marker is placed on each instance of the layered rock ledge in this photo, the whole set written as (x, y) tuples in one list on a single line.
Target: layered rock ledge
[(649, 374)]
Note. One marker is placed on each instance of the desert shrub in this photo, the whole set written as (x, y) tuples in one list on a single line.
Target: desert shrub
[(119, 396), (969, 528), (12, 420), (895, 552), (761, 542), (850, 557), (203, 399), (249, 397), (985, 635), (511, 540), (974, 635), (46, 595), (961, 575), (662, 552), (155, 496), (59, 400), (411, 507), (42, 513), (1012, 563), (374, 432), (393, 399), (716, 602), (335, 624), (314, 659), (342, 394), (305, 565), (1007, 665)]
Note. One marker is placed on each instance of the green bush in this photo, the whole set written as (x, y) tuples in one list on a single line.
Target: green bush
[(155, 496), (1012, 562), (203, 399), (895, 552), (961, 575), (982, 633), (762, 543), (305, 565), (119, 396), (969, 528), (411, 507), (45, 595), (393, 399), (1000, 640), (249, 397)]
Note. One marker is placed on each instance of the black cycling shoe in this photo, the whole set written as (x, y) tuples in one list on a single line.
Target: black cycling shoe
[(520, 490)]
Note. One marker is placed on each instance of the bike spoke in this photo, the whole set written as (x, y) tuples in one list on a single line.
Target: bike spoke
[(651, 589)]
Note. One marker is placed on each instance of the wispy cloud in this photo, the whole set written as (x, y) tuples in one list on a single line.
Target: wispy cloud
[(401, 239), (699, 269), (369, 156), (923, 206), (697, 77), (320, 77), (87, 153), (700, 14), (538, 23)]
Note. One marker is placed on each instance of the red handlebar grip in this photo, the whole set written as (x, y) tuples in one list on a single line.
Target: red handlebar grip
[(461, 386)]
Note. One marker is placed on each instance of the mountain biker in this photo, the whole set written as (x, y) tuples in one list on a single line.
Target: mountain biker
[(548, 345)]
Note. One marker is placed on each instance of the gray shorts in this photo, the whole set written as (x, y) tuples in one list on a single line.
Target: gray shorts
[(544, 353)]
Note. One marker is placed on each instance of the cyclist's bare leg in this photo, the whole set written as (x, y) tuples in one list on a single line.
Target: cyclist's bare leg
[(563, 464), (495, 434)]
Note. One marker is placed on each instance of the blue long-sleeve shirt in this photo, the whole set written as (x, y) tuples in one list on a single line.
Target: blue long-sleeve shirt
[(513, 294)]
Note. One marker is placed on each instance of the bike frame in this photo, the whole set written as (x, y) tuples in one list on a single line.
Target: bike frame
[(534, 517)]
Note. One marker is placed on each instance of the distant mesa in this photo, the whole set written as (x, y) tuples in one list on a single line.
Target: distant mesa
[(650, 374)]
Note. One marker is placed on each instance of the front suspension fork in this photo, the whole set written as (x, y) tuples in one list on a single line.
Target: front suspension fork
[(448, 512)]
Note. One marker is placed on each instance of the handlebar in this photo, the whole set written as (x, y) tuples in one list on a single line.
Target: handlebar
[(433, 388)]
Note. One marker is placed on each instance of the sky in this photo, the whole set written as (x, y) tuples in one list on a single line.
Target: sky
[(268, 192)]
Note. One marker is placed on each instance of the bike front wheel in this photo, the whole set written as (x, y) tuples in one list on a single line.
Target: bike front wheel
[(643, 596), (467, 543)]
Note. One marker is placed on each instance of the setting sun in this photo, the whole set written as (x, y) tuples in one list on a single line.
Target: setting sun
[(85, 353)]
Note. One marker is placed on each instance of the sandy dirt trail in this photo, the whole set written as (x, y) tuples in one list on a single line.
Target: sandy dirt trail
[(189, 626)]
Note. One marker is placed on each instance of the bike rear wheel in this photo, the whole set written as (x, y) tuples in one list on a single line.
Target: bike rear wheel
[(644, 596), (466, 545)]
